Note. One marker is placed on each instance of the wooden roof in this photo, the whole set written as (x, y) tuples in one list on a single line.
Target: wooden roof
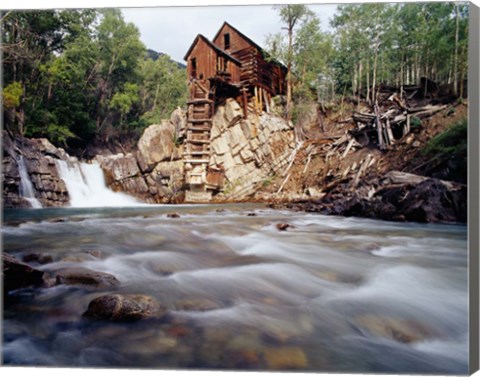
[(225, 23), (213, 46)]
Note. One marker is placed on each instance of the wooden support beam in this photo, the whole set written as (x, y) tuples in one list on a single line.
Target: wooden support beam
[(265, 98), (245, 103), (260, 95)]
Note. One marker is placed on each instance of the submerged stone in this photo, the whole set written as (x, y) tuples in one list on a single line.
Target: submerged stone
[(197, 305), (84, 276), (403, 331), (124, 307), (19, 275), (283, 226), (285, 358), (38, 258)]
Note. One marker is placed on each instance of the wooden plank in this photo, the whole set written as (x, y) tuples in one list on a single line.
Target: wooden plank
[(199, 101), (363, 168), (200, 120)]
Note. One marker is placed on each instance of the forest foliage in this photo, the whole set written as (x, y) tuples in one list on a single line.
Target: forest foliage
[(76, 75), (372, 44)]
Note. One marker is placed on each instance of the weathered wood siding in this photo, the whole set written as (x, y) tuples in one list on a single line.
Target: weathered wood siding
[(255, 70), (211, 64), (237, 42)]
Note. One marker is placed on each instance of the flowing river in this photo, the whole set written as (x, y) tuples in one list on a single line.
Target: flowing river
[(328, 294)]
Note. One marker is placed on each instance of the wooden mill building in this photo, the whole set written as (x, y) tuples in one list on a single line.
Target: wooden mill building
[(229, 66)]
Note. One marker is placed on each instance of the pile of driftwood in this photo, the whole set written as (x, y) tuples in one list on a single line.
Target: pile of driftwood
[(389, 120)]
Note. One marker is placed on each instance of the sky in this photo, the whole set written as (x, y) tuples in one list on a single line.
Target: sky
[(171, 30)]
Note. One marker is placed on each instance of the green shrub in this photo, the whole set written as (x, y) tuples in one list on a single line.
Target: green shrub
[(452, 141)]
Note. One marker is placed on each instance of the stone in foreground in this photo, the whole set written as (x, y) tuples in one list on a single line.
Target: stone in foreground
[(19, 275), (86, 277), (119, 307)]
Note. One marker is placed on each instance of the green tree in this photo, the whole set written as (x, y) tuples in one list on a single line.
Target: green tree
[(164, 88), (119, 48), (29, 40), (291, 16)]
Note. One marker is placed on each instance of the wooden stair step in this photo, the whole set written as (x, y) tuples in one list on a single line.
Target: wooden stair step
[(200, 120), (199, 101), (193, 141), (196, 161), (198, 129), (197, 153)]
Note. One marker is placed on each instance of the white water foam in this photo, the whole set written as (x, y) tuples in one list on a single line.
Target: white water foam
[(86, 186), (26, 186)]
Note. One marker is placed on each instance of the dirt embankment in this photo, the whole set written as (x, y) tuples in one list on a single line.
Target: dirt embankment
[(420, 175)]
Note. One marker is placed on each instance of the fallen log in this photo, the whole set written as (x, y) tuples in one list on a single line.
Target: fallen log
[(395, 177)]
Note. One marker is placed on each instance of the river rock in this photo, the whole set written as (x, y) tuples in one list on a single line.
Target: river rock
[(285, 358), (197, 305), (283, 226), (86, 277), (403, 331), (19, 275), (124, 307), (38, 258)]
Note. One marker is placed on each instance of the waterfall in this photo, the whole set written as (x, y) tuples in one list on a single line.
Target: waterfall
[(86, 186), (26, 186)]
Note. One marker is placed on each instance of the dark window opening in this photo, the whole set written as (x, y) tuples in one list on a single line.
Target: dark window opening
[(226, 41), (221, 64), (194, 68)]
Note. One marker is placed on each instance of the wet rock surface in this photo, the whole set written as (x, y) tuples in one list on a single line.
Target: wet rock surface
[(283, 358), (17, 274), (424, 200), (400, 330), (122, 307), (85, 277), (37, 258), (39, 156)]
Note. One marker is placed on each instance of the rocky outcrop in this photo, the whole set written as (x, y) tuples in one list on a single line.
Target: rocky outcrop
[(154, 172), (39, 156), (249, 150), (124, 307), (156, 145)]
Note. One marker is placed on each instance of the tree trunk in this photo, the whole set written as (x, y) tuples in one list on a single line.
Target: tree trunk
[(368, 81), (374, 78), (156, 96), (455, 56), (289, 72), (354, 80)]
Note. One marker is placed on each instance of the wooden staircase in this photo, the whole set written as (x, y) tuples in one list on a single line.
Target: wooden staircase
[(197, 143)]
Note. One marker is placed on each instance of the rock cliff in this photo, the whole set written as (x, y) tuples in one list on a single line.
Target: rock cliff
[(39, 156), (250, 151)]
